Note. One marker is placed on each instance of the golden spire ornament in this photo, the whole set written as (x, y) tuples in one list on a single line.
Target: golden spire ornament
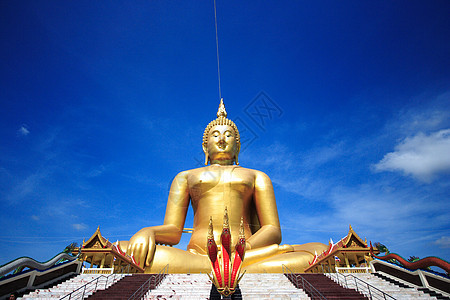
[(221, 112)]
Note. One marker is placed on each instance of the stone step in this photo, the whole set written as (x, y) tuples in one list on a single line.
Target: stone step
[(69, 286), (389, 288)]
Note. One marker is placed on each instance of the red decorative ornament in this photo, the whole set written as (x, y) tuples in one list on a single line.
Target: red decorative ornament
[(225, 275)]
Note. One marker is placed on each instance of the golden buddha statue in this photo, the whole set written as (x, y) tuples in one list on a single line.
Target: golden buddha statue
[(223, 183)]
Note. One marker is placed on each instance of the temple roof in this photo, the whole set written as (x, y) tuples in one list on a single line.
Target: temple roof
[(98, 244), (350, 242), (353, 240), (97, 241)]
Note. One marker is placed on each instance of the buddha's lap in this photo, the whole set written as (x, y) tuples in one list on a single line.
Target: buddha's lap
[(181, 261)]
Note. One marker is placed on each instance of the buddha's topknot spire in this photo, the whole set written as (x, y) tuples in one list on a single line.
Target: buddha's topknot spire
[(221, 112)]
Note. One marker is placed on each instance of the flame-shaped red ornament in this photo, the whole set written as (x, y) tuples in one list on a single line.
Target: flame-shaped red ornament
[(238, 254), (221, 265), (212, 253), (225, 239)]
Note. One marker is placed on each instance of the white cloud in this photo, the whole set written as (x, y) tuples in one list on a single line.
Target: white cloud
[(422, 156), (443, 242), (23, 130), (35, 218), (79, 226)]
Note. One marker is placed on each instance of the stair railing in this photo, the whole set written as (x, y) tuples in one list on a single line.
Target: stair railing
[(153, 280), (124, 269), (362, 287), (91, 286), (312, 292)]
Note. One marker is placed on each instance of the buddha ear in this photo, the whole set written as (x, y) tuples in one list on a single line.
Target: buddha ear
[(238, 148), (205, 150)]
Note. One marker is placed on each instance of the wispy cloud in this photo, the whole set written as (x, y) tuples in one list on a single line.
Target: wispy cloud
[(79, 226), (443, 242), (422, 156), (27, 186), (35, 218), (95, 172), (23, 130), (281, 157), (306, 186), (321, 155), (431, 115)]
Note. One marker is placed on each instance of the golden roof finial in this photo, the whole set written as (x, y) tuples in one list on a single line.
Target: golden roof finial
[(225, 219), (221, 112), (241, 229), (210, 229)]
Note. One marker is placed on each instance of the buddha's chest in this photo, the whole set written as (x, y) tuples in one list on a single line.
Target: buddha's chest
[(221, 181)]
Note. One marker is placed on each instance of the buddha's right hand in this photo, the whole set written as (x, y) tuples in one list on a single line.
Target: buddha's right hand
[(142, 246)]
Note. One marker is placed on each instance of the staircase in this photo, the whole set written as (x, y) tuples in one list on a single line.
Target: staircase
[(252, 286), (393, 281), (327, 287), (433, 294), (269, 286), (182, 286), (123, 289), (425, 292), (68, 286), (360, 282)]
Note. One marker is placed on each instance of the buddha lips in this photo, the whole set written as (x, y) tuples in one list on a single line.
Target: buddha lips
[(225, 278)]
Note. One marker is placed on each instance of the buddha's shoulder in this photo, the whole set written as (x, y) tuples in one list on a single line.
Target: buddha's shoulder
[(237, 169)]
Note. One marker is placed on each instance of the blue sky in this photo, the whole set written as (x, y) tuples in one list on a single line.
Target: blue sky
[(102, 104)]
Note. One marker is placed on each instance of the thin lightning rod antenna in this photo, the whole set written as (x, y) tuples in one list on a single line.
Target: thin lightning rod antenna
[(217, 48)]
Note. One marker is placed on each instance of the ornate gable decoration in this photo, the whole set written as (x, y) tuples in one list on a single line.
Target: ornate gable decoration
[(96, 241), (352, 240)]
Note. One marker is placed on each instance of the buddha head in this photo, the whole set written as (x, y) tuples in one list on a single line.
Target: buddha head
[(221, 140)]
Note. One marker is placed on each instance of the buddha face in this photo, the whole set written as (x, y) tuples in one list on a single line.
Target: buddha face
[(222, 148)]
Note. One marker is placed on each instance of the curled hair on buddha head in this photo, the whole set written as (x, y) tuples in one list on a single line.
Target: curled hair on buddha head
[(221, 120)]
